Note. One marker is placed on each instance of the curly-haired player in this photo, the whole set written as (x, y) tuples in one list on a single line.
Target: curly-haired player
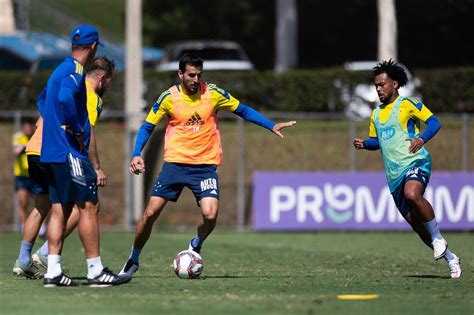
[(395, 130)]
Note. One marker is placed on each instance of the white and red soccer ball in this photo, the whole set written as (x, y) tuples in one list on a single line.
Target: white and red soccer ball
[(188, 264)]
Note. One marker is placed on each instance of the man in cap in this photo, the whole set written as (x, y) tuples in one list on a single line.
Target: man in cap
[(72, 178)]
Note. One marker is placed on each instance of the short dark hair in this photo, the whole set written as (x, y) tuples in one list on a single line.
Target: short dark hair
[(393, 70), (101, 63), (190, 59)]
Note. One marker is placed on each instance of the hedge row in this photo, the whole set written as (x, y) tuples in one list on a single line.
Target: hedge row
[(443, 90)]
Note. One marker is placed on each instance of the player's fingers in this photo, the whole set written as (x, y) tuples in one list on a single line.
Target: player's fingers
[(279, 134), (288, 124)]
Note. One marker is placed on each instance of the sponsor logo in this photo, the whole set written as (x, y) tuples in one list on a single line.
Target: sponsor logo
[(210, 183), (387, 133)]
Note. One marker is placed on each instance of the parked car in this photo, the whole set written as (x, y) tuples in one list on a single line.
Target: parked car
[(217, 55), (360, 99)]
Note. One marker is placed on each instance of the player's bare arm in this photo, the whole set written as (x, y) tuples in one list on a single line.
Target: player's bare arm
[(276, 129), (94, 157)]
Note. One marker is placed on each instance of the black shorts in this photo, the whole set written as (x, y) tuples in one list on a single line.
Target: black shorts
[(38, 175)]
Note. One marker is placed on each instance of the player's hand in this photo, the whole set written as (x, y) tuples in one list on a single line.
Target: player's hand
[(358, 144), (276, 129), (416, 144), (137, 165), (101, 177)]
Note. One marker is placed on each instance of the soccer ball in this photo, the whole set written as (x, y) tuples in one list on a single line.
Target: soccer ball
[(188, 264)]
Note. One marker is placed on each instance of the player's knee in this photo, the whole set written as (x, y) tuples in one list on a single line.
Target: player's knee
[(210, 214), (412, 196)]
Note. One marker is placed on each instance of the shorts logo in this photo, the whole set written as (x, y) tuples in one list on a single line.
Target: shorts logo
[(210, 183), (76, 170)]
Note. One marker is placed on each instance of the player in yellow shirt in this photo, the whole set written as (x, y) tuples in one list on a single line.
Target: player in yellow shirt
[(192, 150), (23, 183), (98, 78), (395, 130)]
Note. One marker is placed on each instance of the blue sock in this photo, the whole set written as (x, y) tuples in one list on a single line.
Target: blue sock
[(196, 242), (432, 227), (43, 251), (449, 255), (135, 255), (25, 253)]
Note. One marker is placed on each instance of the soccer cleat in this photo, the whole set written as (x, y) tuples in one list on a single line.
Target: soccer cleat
[(107, 278), (439, 248), (60, 281), (40, 262), (29, 271), (455, 268), (129, 269)]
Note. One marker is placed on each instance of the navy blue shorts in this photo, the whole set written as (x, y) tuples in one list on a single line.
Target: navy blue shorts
[(72, 181), (398, 195), (201, 179), (38, 175), (22, 182)]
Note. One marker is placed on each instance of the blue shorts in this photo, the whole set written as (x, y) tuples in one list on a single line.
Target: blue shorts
[(72, 181), (414, 173), (201, 179), (38, 175), (23, 182)]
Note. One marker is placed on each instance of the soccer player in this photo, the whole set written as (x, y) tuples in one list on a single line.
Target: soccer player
[(395, 130), (71, 175), (98, 77), (192, 150), (23, 183)]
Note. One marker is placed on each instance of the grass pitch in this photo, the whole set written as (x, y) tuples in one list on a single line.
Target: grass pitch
[(251, 273)]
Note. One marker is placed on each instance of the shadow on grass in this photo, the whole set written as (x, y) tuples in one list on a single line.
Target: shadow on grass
[(427, 277)]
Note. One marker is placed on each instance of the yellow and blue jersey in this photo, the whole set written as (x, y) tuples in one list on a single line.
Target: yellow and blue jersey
[(20, 166), (412, 112), (164, 106), (94, 104), (192, 134)]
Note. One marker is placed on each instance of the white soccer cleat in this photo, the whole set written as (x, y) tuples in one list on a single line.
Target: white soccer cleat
[(128, 269), (454, 268), (439, 248), (29, 271), (40, 262)]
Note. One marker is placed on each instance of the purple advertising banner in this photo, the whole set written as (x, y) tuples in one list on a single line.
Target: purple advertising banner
[(310, 201)]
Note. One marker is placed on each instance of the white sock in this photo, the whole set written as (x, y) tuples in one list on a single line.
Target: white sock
[(54, 266), (94, 267)]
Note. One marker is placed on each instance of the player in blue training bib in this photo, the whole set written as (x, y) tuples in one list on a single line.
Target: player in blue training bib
[(395, 130)]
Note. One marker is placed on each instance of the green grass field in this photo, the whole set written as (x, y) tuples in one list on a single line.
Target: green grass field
[(251, 273)]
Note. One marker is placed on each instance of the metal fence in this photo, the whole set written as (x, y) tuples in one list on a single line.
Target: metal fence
[(318, 142)]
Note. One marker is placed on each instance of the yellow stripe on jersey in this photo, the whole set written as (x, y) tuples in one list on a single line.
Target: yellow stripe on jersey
[(79, 68), (412, 111)]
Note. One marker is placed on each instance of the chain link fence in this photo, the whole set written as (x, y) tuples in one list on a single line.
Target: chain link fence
[(318, 142)]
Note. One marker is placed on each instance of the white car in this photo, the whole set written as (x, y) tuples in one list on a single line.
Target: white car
[(217, 55), (362, 98)]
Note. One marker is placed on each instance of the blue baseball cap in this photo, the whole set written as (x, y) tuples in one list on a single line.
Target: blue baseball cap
[(84, 35)]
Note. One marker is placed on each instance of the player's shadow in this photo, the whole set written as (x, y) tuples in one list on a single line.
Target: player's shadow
[(427, 277)]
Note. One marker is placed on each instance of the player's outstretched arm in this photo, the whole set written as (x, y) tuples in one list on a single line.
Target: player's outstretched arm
[(276, 129), (137, 165)]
